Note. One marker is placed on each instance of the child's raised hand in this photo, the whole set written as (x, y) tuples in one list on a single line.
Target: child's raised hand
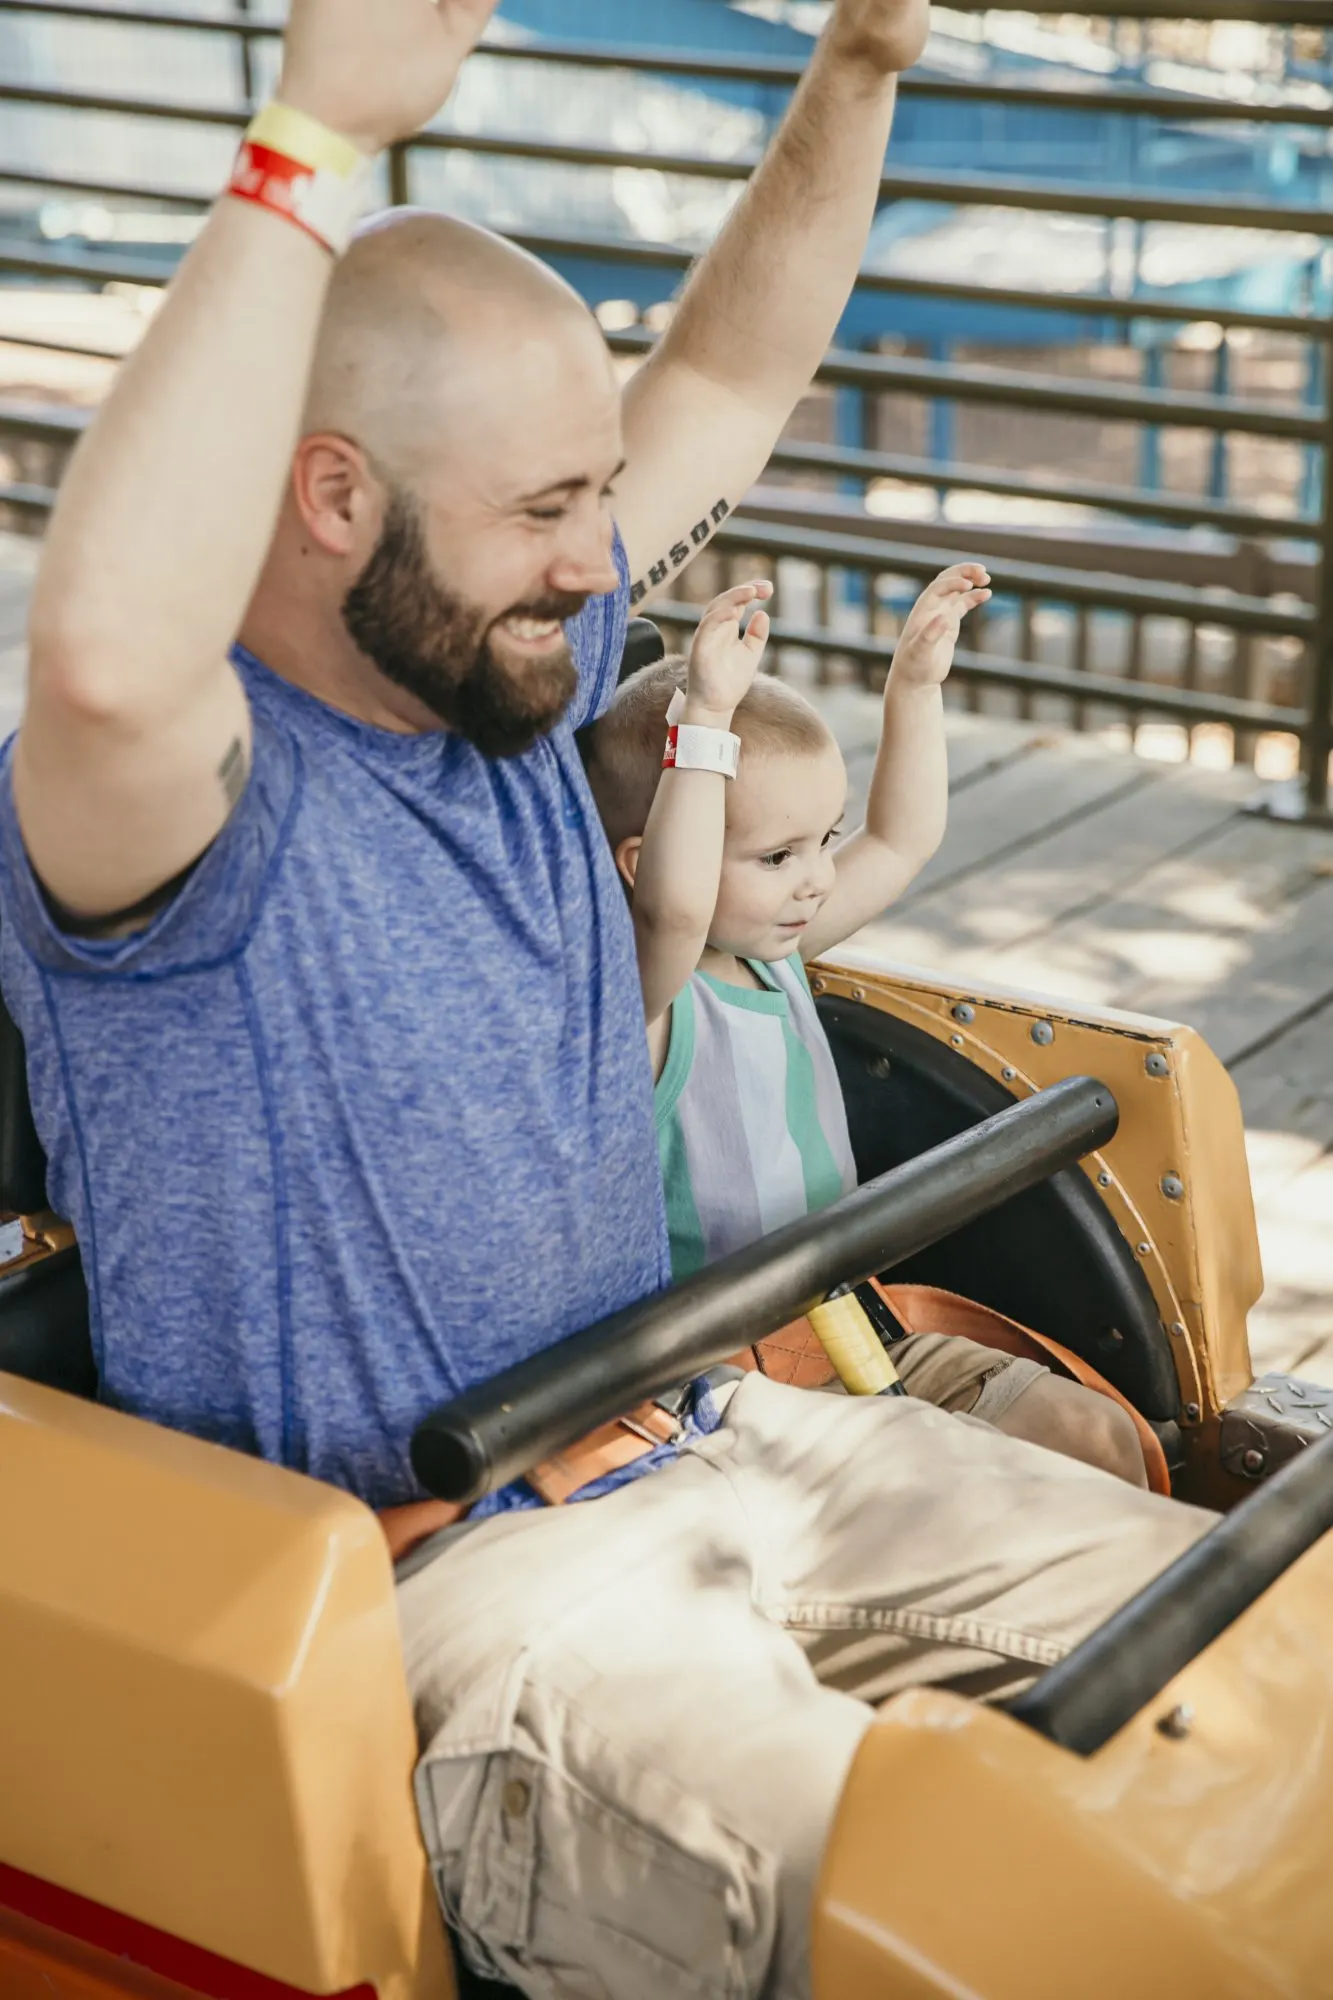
[(723, 659), (924, 652)]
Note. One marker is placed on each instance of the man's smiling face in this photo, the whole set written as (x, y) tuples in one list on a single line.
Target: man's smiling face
[(464, 600)]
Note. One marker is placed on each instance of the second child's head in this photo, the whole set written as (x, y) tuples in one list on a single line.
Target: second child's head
[(783, 807)]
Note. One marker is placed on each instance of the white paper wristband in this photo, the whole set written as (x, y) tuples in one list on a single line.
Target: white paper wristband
[(692, 748)]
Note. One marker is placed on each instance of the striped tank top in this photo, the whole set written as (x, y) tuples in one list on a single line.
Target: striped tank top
[(751, 1127)]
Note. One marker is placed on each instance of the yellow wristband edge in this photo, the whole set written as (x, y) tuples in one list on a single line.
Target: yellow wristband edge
[(303, 138)]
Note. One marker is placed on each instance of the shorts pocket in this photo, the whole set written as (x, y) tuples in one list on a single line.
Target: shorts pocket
[(582, 1877)]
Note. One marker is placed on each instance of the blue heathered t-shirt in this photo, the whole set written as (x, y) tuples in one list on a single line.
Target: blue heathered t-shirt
[(365, 1115)]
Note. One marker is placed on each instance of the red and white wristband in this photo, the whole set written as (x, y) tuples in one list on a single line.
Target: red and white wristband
[(303, 171), (691, 747)]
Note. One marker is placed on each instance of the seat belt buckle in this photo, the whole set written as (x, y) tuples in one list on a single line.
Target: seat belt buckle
[(880, 1313)]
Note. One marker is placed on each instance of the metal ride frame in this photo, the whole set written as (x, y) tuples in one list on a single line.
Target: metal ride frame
[(1293, 601)]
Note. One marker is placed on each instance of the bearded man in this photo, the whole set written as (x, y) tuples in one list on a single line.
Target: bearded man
[(311, 930)]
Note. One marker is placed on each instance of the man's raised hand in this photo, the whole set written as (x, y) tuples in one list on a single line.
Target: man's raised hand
[(924, 652), (887, 35), (136, 737), (377, 70), (723, 659)]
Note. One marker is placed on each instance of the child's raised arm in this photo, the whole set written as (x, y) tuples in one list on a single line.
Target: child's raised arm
[(680, 857), (908, 804)]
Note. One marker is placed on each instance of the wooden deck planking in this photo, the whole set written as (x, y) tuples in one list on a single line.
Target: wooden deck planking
[(1287, 1081), (1048, 786), (977, 746), (1212, 935), (1286, 1094), (980, 746), (1030, 890)]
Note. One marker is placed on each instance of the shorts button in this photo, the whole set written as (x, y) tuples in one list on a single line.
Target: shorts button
[(516, 1798)]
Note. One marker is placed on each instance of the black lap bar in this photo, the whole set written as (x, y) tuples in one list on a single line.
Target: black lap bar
[(494, 1432), (1092, 1693)]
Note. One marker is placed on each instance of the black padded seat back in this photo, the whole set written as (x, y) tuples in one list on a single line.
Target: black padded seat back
[(43, 1304), (44, 1324), (22, 1161), (643, 645)]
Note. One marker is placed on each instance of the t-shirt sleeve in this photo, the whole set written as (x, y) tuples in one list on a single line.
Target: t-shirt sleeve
[(212, 914), (597, 641)]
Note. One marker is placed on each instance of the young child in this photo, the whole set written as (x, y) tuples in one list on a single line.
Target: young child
[(729, 841)]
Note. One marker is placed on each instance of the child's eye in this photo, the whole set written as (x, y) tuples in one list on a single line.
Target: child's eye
[(547, 513), (834, 833), (776, 859)]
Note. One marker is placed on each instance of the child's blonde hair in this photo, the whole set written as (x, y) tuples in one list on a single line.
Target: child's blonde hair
[(622, 751)]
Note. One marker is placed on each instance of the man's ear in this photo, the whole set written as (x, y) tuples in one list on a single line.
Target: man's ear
[(627, 858), (337, 496)]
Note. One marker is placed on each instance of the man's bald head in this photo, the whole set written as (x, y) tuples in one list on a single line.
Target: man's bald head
[(427, 319)]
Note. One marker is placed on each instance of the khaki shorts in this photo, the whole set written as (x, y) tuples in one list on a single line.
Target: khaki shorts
[(961, 1375), (636, 1714)]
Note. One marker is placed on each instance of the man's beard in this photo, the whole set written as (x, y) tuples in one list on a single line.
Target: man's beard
[(438, 646)]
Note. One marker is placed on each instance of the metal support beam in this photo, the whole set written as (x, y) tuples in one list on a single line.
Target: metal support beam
[(1319, 736)]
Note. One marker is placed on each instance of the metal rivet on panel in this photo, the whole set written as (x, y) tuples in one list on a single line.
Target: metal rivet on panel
[(1043, 1033), (880, 1066), (1172, 1186), (1008, 1074), (1254, 1462), (1103, 1178), (858, 993), (1178, 1328), (957, 1041), (962, 1012), (1176, 1722), (1192, 1413), (1156, 1064), (816, 986), (1144, 1249)]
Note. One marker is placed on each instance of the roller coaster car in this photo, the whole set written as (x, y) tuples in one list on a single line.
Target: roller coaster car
[(205, 1737)]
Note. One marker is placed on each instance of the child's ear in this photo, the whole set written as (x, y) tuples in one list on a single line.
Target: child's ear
[(627, 858)]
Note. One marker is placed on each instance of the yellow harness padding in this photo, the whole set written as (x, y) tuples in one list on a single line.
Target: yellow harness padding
[(853, 1346)]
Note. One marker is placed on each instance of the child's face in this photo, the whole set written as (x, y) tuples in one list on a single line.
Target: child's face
[(777, 864)]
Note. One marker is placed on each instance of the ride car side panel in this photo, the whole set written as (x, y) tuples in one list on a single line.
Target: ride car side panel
[(1189, 1855), (1220, 1205), (1174, 1178), (35, 1965), (47, 1962), (209, 1729)]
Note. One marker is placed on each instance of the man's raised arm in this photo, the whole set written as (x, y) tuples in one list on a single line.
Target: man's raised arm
[(135, 743), (707, 407)]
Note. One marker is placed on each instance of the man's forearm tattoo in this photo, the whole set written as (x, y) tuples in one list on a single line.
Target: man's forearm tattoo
[(232, 773), (680, 552)]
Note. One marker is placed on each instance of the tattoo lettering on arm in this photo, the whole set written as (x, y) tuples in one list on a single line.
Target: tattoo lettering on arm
[(233, 772), (680, 552)]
